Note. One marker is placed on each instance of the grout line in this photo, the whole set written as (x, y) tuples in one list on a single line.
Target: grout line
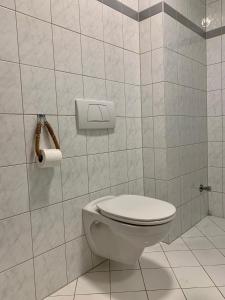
[(164, 252), (25, 144), (58, 125)]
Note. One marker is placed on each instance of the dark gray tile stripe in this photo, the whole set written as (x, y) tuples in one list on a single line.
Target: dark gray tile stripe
[(151, 11), (183, 20), (129, 12), (120, 7), (215, 32), (158, 8)]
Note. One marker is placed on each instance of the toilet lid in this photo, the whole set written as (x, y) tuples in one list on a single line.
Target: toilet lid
[(136, 209)]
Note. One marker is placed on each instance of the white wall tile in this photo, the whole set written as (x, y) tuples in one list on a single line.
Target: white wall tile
[(117, 136), (10, 89), (214, 77), (16, 242), (134, 135), (73, 217), (35, 8), (94, 88), (214, 50), (50, 272), (12, 140), (131, 67), (91, 24), (97, 141), (135, 164), (72, 140), (47, 228), (115, 93), (74, 177), (68, 88), (44, 186), (66, 14), (67, 50), (118, 167), (130, 34), (38, 86), (98, 171), (146, 68), (145, 35), (8, 3), (133, 100), (78, 257), (114, 63), (8, 44), (12, 189), (35, 41), (112, 25), (92, 57), (10, 282)]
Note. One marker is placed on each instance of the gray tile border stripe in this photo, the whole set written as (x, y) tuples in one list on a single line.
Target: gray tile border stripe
[(183, 20), (122, 8), (215, 32), (151, 11), (113, 4), (129, 12), (158, 8)]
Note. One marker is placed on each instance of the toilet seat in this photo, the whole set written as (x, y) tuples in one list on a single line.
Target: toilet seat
[(136, 210)]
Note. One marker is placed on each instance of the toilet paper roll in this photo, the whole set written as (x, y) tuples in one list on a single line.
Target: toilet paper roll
[(49, 158)]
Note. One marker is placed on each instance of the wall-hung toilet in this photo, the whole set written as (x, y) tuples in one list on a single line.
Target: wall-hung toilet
[(119, 228)]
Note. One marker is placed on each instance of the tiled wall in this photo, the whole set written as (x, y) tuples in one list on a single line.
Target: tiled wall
[(173, 76), (50, 53), (216, 109)]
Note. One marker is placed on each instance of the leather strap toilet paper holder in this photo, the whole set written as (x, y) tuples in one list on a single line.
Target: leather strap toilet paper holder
[(42, 122)]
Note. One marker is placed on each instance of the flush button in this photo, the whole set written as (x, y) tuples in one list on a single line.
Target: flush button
[(105, 113), (94, 113)]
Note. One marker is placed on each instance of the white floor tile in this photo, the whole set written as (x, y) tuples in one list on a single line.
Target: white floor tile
[(166, 295), (219, 222), (59, 298), (103, 267), (209, 228), (222, 251), (177, 245), (193, 232), (203, 294), (129, 296), (92, 297), (160, 279), (93, 283), (153, 260), (126, 281), (203, 245), (198, 243), (218, 241), (217, 273), (155, 248), (210, 257), (116, 266), (182, 259), (222, 290), (68, 290), (190, 277)]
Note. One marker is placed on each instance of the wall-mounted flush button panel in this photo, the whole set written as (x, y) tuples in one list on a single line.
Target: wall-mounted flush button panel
[(94, 114)]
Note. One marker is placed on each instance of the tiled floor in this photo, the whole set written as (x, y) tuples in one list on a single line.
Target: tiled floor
[(192, 268)]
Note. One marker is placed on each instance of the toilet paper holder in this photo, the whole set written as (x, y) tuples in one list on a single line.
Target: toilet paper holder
[(42, 122)]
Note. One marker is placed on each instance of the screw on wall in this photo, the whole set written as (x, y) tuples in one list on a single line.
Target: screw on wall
[(205, 188)]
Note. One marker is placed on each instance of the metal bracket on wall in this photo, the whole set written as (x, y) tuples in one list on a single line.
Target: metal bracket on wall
[(205, 188)]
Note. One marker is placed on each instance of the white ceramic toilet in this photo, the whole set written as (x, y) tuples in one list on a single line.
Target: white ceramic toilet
[(119, 228)]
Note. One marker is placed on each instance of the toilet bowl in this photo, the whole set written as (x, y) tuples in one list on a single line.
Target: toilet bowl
[(119, 228)]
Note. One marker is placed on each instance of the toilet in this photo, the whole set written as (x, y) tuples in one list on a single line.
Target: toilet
[(120, 227)]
